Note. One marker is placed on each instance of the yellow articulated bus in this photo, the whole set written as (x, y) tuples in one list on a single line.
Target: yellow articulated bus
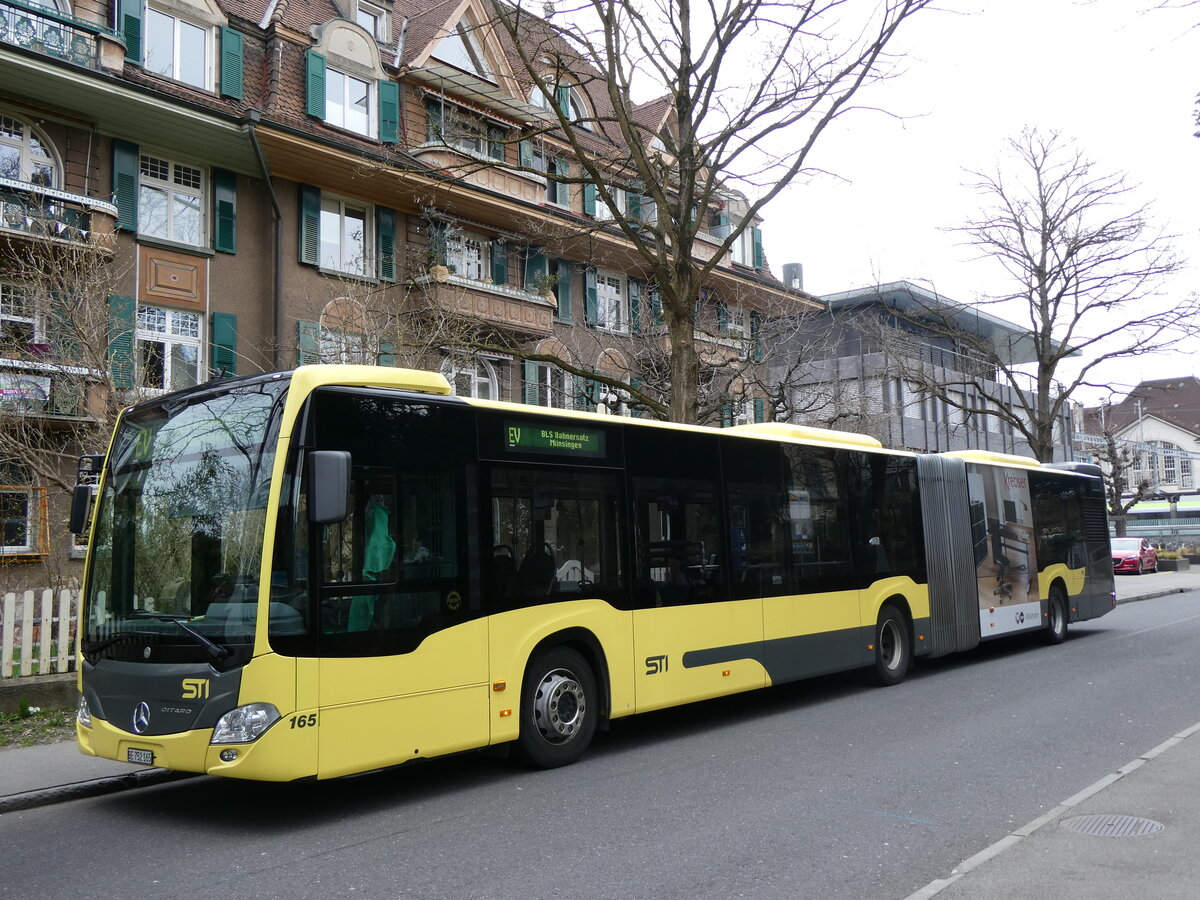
[(341, 568)]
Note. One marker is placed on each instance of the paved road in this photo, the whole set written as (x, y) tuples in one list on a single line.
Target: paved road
[(830, 788)]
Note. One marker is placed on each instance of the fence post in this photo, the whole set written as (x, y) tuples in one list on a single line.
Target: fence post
[(46, 633), (26, 633), (66, 646), (8, 629)]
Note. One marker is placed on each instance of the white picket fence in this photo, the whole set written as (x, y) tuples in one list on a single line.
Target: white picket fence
[(37, 632)]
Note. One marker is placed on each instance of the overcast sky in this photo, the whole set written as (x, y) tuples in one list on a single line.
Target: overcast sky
[(1117, 76)]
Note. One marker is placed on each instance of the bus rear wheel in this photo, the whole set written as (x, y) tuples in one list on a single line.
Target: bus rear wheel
[(893, 646), (1056, 615), (559, 706)]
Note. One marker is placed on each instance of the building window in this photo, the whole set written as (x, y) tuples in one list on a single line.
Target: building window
[(24, 156), (461, 49), (742, 249), (20, 507), (611, 311), (345, 236), (471, 376), (373, 19), (168, 348), (170, 201), (177, 49), (20, 324), (348, 102), (547, 385), (468, 255)]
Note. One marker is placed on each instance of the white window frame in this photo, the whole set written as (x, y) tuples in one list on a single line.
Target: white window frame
[(179, 186), (556, 388), (471, 372), (462, 38), (336, 108), (603, 213), (334, 206), (618, 306), (178, 25), (742, 249), (469, 253), (35, 154), (370, 11), (29, 496), (19, 306), (173, 330)]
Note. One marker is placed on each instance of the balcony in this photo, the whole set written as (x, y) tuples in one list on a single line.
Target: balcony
[(54, 34), (29, 387), (46, 214), (501, 305)]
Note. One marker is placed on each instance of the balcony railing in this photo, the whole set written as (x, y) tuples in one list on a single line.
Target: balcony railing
[(52, 33), (57, 215), (33, 388)]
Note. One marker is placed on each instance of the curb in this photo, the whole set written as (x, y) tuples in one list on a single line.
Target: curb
[(96, 787), (1153, 594)]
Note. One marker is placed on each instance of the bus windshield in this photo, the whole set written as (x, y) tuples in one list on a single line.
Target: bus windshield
[(179, 527)]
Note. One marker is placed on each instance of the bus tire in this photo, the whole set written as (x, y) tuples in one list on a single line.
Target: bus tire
[(559, 709), (1056, 616), (893, 646)]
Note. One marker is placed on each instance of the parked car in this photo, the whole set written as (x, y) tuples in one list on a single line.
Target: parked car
[(1136, 555)]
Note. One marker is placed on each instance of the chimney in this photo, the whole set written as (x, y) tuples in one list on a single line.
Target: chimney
[(793, 276)]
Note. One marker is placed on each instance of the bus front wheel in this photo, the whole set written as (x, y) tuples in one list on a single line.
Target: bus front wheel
[(1056, 626), (893, 646), (559, 706)]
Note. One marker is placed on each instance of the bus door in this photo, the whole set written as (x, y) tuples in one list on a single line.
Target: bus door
[(402, 644), (691, 640)]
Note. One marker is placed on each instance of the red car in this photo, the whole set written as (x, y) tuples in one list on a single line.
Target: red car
[(1135, 555)]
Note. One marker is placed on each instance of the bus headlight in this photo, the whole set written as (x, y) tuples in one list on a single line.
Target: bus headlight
[(245, 724), (83, 712)]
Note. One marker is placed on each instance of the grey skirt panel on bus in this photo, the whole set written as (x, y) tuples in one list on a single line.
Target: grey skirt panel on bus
[(953, 588)]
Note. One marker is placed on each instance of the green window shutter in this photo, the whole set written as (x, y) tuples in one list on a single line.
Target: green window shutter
[(722, 317), (727, 413), (64, 330), (231, 63), (760, 409), (722, 225), (656, 305), (562, 96), (314, 103), (755, 335), (433, 120), (636, 384), (756, 242), (535, 266), (499, 262), (310, 225), (635, 305), (496, 136), (633, 206), (224, 344), (224, 211), (437, 243), (131, 29), (589, 200), (122, 313), (579, 387), (385, 239), (387, 353), (309, 344), (531, 387), (562, 190), (125, 184), (590, 300), (525, 154), (389, 112), (562, 288)]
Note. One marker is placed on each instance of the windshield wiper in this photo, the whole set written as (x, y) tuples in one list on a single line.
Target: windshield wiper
[(215, 650)]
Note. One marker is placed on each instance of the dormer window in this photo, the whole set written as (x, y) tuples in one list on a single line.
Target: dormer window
[(347, 102), (372, 19), (177, 49), (568, 99), (460, 48)]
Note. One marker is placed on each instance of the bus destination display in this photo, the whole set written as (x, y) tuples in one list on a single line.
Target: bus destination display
[(537, 438)]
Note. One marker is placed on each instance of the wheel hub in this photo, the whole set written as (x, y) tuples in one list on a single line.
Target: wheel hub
[(559, 706), (889, 644)]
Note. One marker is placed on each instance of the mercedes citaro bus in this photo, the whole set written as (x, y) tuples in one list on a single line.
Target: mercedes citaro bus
[(342, 568)]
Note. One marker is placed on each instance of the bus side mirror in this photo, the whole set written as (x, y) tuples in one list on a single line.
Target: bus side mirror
[(81, 501), (328, 486)]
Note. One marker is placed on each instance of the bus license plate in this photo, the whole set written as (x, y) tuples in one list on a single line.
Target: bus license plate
[(144, 757)]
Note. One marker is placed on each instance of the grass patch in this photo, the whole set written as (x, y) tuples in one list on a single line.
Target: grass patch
[(34, 725)]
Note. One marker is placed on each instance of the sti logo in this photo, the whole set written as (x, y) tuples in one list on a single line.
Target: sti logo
[(195, 689), (656, 665)]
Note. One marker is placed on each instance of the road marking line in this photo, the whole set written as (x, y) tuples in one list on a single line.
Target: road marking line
[(936, 886)]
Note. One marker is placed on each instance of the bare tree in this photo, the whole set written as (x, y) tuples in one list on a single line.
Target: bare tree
[(1123, 488), (745, 89), (1085, 273)]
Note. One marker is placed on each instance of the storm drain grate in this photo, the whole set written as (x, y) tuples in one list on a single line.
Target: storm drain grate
[(1112, 826)]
